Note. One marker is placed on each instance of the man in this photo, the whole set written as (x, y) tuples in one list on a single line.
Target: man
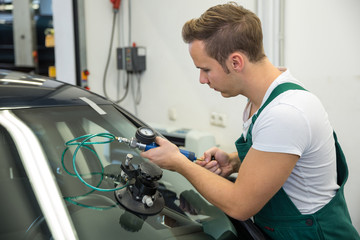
[(290, 175)]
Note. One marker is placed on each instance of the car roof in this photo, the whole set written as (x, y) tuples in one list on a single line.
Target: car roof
[(23, 90)]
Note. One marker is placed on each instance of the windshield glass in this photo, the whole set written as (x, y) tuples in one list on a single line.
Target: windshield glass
[(20, 212), (95, 212)]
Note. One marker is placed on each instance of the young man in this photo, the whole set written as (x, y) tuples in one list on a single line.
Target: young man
[(290, 167)]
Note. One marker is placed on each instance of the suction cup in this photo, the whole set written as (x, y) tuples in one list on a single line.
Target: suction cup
[(127, 200)]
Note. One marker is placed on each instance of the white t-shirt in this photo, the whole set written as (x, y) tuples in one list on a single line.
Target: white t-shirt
[(295, 122)]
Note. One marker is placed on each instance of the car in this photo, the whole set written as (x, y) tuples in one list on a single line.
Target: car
[(70, 170)]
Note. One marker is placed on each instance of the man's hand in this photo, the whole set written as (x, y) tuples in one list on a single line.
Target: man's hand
[(219, 162), (167, 155)]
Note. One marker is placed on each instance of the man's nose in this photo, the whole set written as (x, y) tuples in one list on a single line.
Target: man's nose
[(203, 77)]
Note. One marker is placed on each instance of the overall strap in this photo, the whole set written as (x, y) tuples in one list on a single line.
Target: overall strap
[(341, 165)]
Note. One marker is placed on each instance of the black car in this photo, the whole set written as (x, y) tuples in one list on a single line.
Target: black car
[(68, 173)]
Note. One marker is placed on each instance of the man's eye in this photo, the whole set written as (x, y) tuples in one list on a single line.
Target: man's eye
[(205, 70)]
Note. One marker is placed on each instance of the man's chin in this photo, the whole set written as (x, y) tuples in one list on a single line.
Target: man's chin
[(226, 95)]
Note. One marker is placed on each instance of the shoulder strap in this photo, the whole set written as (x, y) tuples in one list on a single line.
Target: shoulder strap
[(341, 165), (283, 87)]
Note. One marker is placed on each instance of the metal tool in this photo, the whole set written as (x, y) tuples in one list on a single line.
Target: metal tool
[(145, 139), (141, 195)]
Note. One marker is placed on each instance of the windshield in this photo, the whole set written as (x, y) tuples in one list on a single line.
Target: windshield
[(19, 209), (96, 213)]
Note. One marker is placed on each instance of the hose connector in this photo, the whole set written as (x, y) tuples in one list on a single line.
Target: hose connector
[(133, 143)]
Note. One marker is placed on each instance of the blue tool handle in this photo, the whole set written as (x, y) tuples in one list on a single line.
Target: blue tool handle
[(188, 154)]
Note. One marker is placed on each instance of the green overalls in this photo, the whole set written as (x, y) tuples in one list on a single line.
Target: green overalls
[(280, 218)]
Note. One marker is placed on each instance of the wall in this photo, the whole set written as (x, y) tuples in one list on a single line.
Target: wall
[(321, 49)]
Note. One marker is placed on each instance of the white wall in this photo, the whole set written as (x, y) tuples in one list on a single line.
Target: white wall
[(321, 49)]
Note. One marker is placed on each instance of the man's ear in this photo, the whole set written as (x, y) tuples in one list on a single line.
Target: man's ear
[(237, 61)]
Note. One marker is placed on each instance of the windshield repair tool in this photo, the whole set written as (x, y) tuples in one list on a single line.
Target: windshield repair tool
[(145, 140), (141, 195)]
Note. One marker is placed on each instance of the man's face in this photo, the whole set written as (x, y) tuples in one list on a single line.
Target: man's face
[(211, 72)]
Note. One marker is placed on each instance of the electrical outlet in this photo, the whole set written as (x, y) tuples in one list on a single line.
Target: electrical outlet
[(218, 119), (222, 120)]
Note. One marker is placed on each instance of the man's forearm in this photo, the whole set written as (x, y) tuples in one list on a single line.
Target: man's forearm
[(234, 161)]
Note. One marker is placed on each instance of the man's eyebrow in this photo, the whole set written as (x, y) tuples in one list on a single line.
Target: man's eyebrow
[(202, 68)]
